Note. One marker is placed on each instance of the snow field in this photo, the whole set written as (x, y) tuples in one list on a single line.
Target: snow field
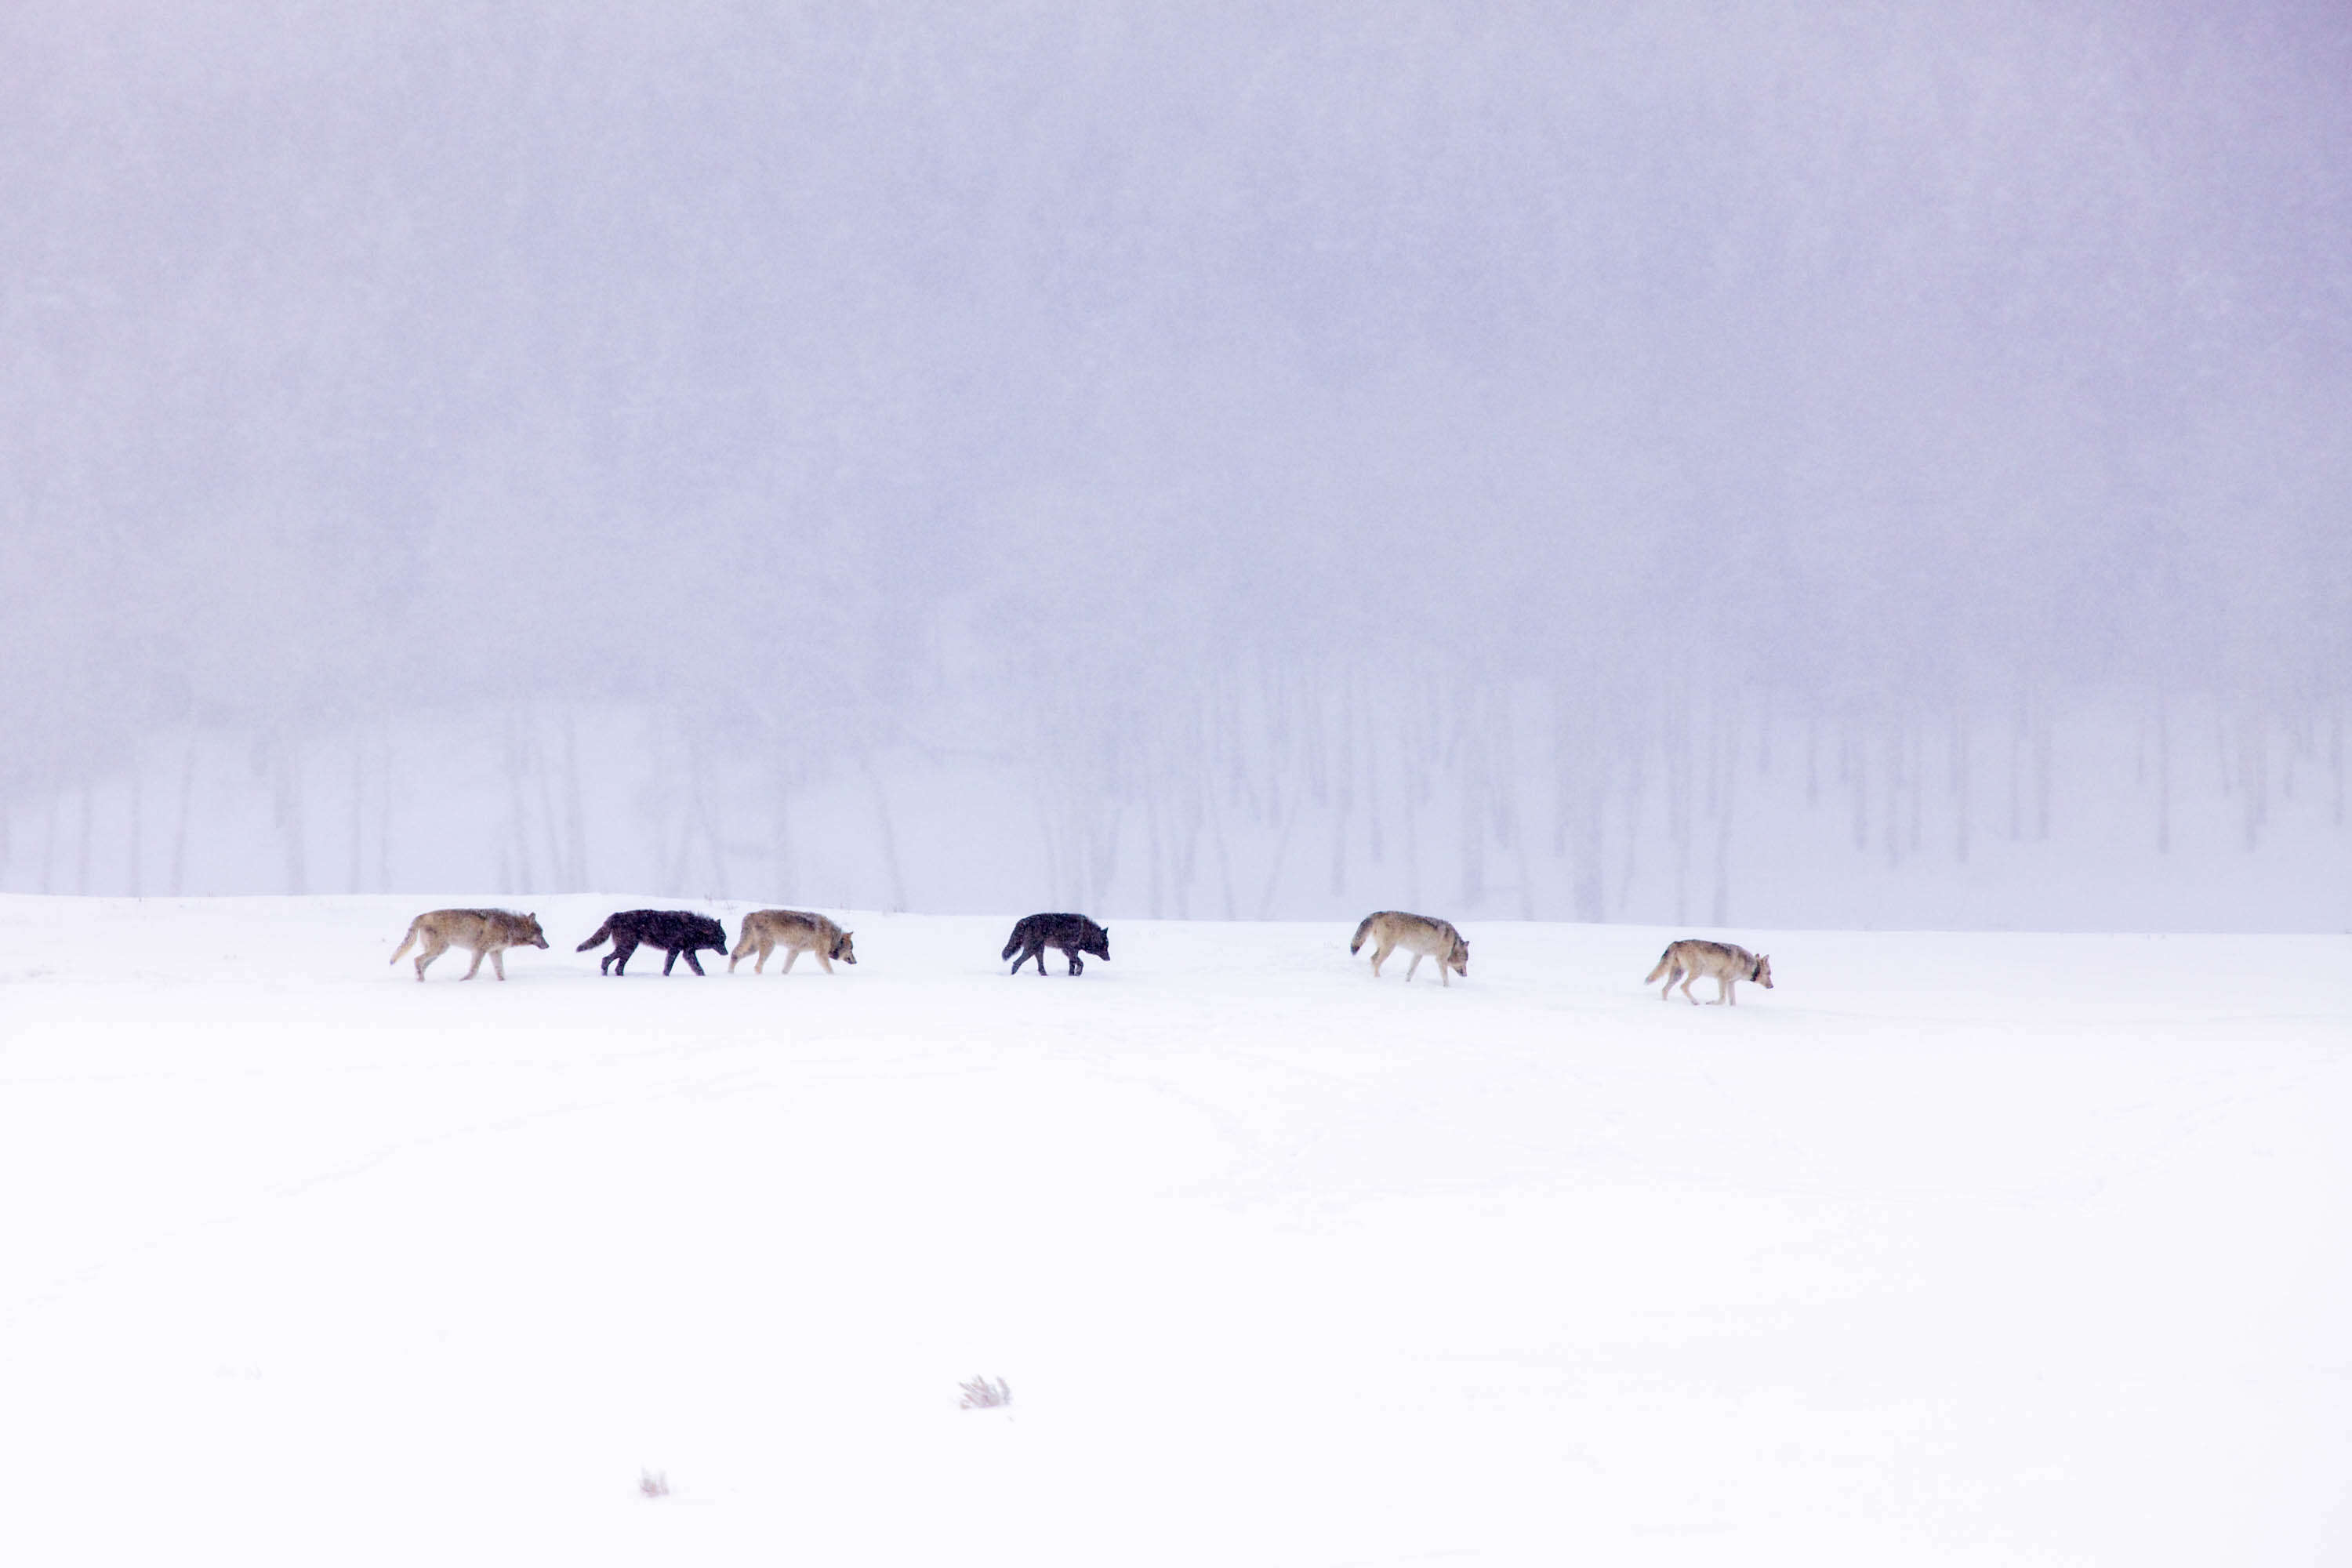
[(1982, 1249)]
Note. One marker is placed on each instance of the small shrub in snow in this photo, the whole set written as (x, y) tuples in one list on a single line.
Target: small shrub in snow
[(982, 1395), (653, 1483)]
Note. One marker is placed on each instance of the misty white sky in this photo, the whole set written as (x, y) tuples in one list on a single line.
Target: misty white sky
[(1875, 357)]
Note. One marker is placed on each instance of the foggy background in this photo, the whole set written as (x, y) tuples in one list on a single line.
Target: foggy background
[(1799, 464)]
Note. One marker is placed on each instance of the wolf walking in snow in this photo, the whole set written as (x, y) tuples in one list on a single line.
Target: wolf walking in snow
[(1687, 959), (678, 931), (794, 930), (1074, 934), (487, 933), (1418, 935)]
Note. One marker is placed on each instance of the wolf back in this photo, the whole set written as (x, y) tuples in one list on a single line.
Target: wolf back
[(675, 930), (1074, 934), (1421, 935), (1692, 957), (487, 933), (796, 931)]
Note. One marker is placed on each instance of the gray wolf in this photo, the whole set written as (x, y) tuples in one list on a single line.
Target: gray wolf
[(675, 930), (1687, 959), (1074, 934), (488, 933), (794, 930), (1417, 934)]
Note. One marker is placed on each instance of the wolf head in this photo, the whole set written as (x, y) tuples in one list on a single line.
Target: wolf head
[(1762, 972), (842, 952), (706, 932), (532, 933), (1096, 940), (1460, 957)]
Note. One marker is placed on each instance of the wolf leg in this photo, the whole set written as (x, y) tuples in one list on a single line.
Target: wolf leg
[(791, 956), (1414, 965), (1688, 981), (1667, 991), (1379, 957), (671, 962), (823, 957), (476, 968), (499, 962), (617, 961), (1728, 995), (1078, 964), (435, 946), (692, 962)]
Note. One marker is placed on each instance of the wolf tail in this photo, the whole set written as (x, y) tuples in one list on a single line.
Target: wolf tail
[(602, 932), (1362, 931), (1666, 961), (1012, 944), (409, 940)]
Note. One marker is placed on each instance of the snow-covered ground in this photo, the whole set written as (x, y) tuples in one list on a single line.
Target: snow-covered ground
[(1986, 1249)]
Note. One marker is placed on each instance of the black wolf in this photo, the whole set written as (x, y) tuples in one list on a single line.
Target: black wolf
[(1074, 934), (677, 930)]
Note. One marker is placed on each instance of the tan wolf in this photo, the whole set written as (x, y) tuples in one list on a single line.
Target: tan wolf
[(796, 931), (488, 933), (1687, 959), (1418, 935)]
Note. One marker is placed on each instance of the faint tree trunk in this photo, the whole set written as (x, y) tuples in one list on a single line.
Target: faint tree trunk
[(780, 832), (287, 773), (2163, 774), (1724, 814), (1636, 786), (1915, 738), (1963, 808), (359, 805), (2222, 759), (1225, 851), (550, 823), (88, 819), (138, 819), (2017, 773), (575, 809), (1343, 791), (1151, 840), (383, 814), (2335, 763), (1893, 737), (1473, 779), (2253, 759), (187, 802), (518, 834), (889, 833), (2045, 765), (1674, 736), (1410, 793), (1854, 766)]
